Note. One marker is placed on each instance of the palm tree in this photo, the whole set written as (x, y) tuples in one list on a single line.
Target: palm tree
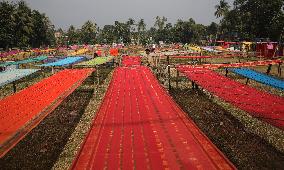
[(141, 27), (222, 9), (131, 23), (160, 22), (73, 36), (88, 32)]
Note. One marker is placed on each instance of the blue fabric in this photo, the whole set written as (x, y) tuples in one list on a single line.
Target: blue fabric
[(260, 77), (15, 74), (29, 60), (63, 62)]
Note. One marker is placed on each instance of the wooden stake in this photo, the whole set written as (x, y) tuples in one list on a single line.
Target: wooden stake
[(169, 72), (226, 71), (268, 69), (279, 69), (247, 81), (98, 78), (177, 78), (14, 87)]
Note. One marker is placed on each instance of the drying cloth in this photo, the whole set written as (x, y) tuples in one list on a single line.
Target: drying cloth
[(259, 104), (15, 74), (64, 62), (139, 126), (29, 60), (259, 77), (96, 61), (22, 111)]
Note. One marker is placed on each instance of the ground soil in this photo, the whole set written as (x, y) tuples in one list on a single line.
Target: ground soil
[(244, 149), (42, 146)]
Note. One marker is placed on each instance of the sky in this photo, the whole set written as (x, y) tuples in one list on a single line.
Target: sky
[(64, 13)]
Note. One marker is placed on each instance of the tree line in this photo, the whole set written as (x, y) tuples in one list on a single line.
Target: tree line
[(244, 20), (251, 19), (136, 32), (23, 27)]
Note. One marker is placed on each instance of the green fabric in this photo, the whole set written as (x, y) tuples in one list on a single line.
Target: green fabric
[(29, 60), (96, 61)]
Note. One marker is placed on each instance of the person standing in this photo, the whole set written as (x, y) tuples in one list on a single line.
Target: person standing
[(151, 58)]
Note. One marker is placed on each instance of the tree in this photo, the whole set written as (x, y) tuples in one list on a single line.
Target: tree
[(131, 28), (61, 39), (24, 24), (160, 22), (251, 19), (23, 27), (73, 35), (107, 34), (184, 31), (51, 40), (7, 22), (131, 24), (212, 31), (42, 30), (122, 32), (141, 27), (168, 32), (222, 9), (88, 33)]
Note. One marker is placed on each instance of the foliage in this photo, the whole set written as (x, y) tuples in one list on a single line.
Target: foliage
[(107, 34), (43, 31), (251, 19), (88, 33), (23, 27), (7, 22), (73, 35), (222, 9), (244, 20)]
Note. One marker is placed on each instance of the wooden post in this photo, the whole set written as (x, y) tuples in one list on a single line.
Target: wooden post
[(98, 78), (177, 78), (226, 71), (192, 84), (268, 69), (279, 69), (169, 72), (94, 81), (14, 87), (247, 81)]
